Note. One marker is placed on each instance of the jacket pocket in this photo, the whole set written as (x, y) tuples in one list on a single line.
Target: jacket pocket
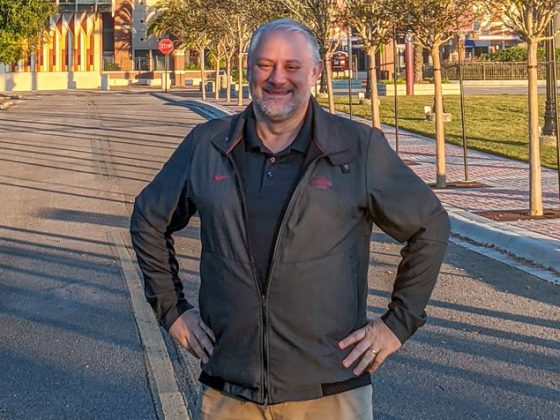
[(319, 298), (229, 304), (312, 307)]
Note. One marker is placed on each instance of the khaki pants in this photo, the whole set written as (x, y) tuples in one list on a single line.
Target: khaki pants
[(350, 405)]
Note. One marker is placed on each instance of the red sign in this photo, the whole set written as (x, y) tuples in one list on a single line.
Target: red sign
[(339, 61), (165, 46)]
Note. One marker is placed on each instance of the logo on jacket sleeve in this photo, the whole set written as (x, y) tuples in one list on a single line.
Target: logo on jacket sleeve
[(219, 178), (321, 183)]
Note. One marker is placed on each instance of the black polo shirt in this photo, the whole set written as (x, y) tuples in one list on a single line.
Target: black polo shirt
[(268, 181)]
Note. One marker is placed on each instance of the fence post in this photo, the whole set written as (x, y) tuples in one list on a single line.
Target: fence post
[(483, 71)]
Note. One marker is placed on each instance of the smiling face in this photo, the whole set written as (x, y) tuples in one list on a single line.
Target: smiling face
[(282, 71)]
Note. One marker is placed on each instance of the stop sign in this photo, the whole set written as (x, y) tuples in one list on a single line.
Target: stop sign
[(165, 46)]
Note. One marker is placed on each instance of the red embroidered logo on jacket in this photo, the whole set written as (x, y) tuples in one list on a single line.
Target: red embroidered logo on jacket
[(321, 183), (219, 178)]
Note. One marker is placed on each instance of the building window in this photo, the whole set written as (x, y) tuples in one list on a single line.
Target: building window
[(142, 60), (158, 61), (108, 33)]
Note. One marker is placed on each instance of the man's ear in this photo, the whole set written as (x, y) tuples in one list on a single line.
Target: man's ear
[(248, 72), (316, 72)]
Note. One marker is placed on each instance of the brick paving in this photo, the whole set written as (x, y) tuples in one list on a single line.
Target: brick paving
[(507, 180)]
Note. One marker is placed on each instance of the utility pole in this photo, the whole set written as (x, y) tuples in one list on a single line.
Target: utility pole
[(549, 128), (349, 43), (396, 97)]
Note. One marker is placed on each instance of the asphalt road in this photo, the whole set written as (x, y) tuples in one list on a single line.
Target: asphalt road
[(70, 166)]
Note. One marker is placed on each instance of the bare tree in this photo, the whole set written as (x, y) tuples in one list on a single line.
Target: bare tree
[(223, 37), (187, 21), (321, 16), (372, 21), (529, 19), (242, 17), (433, 23), (228, 45), (216, 55)]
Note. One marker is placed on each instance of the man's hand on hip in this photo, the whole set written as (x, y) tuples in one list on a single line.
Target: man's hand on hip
[(373, 343), (193, 334)]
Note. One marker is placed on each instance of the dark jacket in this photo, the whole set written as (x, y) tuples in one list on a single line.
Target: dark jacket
[(283, 345)]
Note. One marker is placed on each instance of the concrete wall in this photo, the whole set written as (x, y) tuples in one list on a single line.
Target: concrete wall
[(15, 82)]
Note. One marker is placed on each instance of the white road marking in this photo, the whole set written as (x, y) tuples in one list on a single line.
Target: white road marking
[(163, 385)]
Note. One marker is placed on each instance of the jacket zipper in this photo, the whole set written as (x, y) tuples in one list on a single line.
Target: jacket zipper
[(265, 377), (253, 270), (295, 196), (264, 344)]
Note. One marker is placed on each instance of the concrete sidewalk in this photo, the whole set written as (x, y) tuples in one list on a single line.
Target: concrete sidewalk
[(531, 245)]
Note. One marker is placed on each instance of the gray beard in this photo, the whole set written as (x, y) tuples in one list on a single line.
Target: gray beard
[(274, 114), (282, 114)]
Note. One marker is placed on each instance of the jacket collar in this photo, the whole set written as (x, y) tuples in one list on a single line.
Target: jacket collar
[(329, 137)]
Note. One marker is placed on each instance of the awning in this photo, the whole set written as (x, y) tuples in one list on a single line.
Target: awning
[(471, 43)]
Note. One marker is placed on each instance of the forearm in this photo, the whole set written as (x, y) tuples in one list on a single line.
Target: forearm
[(162, 208), (416, 277), (156, 258)]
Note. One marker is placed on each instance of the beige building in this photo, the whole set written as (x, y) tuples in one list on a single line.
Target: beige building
[(92, 44)]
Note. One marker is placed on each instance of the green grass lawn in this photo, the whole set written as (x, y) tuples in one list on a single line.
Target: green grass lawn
[(494, 123)]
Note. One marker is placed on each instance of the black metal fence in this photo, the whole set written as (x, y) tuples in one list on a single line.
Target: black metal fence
[(154, 63), (488, 71)]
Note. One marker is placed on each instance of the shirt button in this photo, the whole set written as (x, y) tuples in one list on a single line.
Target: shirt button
[(272, 159), (269, 174)]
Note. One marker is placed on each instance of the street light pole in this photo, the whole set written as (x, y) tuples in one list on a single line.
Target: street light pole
[(461, 44), (349, 44), (549, 128), (396, 103), (555, 96)]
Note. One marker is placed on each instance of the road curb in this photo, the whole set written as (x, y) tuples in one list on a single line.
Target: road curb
[(533, 247), (167, 398)]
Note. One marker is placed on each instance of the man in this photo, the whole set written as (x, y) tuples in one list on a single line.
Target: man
[(287, 195)]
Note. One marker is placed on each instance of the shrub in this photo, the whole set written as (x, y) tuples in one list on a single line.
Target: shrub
[(513, 54)]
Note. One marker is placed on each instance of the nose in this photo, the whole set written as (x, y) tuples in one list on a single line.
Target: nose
[(277, 76)]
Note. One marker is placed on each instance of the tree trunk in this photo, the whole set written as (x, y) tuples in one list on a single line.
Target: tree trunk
[(370, 68), (372, 92), (535, 183), (240, 62), (217, 84), (418, 63), (323, 84), (440, 132), (240, 80), (202, 74), (228, 79), (329, 83)]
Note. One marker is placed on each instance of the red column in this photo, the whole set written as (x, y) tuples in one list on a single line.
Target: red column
[(409, 64)]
